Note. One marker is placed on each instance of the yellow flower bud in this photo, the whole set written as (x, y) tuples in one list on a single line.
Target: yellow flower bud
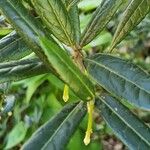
[(66, 93), (90, 108)]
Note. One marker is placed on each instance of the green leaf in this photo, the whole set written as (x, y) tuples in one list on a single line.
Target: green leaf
[(28, 27), (71, 3), (134, 133), (74, 15), (56, 133), (32, 85), (5, 28), (75, 142), (56, 18), (99, 20), (133, 15), (121, 78), (103, 39), (68, 71), (16, 136), (12, 47), (73, 12), (4, 31), (28, 2), (18, 70)]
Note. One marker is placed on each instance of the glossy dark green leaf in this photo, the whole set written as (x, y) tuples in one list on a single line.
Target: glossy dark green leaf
[(132, 131), (26, 25), (56, 18), (12, 47), (17, 70), (68, 71), (8, 39), (133, 15), (122, 78), (55, 134), (28, 28), (101, 17)]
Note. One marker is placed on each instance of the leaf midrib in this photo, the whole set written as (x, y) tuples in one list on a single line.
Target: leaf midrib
[(101, 11), (141, 88), (60, 126), (15, 40), (129, 18), (78, 77), (22, 17), (55, 13), (130, 126)]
